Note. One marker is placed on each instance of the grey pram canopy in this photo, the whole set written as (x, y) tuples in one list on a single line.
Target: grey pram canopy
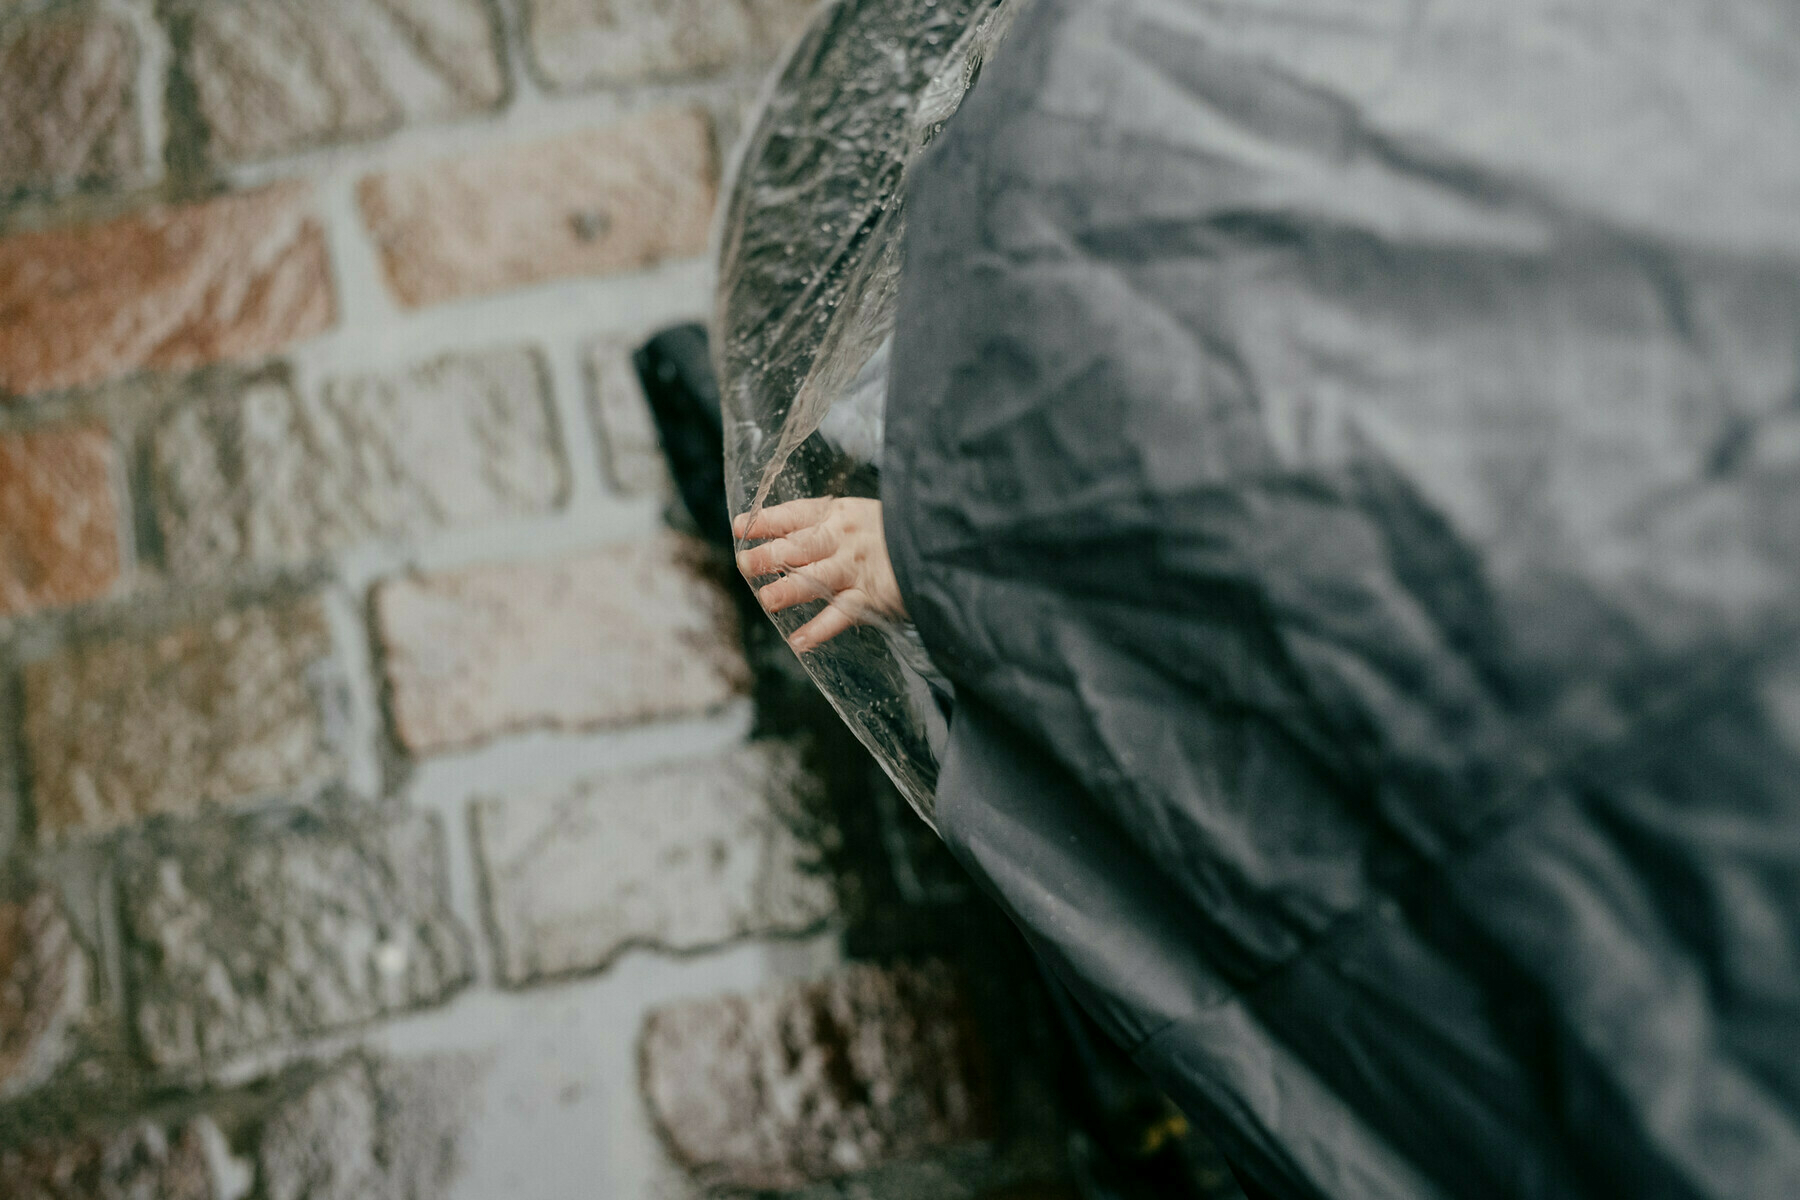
[(1346, 457)]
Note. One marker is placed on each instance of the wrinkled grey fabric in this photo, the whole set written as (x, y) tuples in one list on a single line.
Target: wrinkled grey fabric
[(1347, 457)]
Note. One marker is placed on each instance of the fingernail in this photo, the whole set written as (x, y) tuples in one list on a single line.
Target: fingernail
[(798, 641)]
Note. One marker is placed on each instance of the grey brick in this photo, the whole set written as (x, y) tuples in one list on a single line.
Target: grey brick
[(798, 1084), (369, 1130), (273, 76), (323, 1144), (68, 104), (268, 476), (592, 43), (240, 937), (630, 633), (233, 709), (678, 857)]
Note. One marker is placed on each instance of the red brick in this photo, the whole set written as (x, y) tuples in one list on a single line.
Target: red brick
[(233, 709), (59, 524), (68, 111), (592, 203), (168, 288)]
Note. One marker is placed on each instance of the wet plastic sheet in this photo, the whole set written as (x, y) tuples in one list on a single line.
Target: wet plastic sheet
[(1347, 458), (808, 265)]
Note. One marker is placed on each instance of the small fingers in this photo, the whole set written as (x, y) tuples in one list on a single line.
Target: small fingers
[(770, 558), (830, 622), (781, 519), (819, 584), (807, 545)]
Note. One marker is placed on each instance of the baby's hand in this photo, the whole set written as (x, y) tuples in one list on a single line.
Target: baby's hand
[(825, 549)]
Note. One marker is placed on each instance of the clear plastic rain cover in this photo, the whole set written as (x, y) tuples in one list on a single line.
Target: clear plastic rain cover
[(808, 268)]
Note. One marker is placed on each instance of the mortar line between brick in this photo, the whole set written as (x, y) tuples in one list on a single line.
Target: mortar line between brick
[(121, 478), (515, 27), (464, 885), (363, 732), (544, 539), (110, 947), (13, 770), (545, 315), (153, 61), (640, 979), (362, 298), (547, 761), (571, 401), (531, 116)]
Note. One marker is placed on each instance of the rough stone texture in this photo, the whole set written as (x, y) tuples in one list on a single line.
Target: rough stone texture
[(605, 200), (68, 108), (427, 1107), (589, 43), (966, 1171), (368, 1131), (239, 937), (794, 1085), (269, 476), (233, 709), (323, 1143), (167, 288), (43, 990), (680, 857), (59, 522), (631, 449), (279, 75), (631, 633), (145, 1162)]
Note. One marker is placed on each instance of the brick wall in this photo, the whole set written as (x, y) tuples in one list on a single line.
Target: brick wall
[(378, 811)]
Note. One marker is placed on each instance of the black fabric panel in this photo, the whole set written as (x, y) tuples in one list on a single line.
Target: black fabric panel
[(1347, 459)]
